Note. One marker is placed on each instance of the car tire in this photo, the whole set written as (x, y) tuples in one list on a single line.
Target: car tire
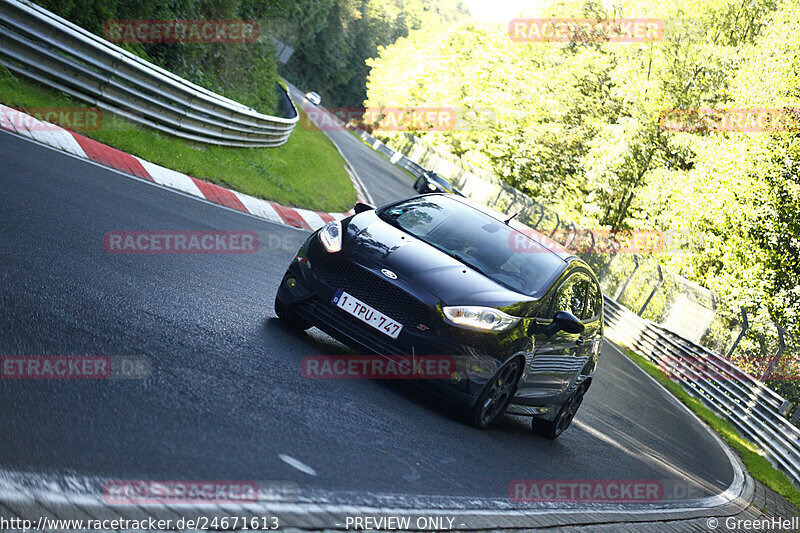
[(552, 429), (418, 185), (289, 317), (496, 395)]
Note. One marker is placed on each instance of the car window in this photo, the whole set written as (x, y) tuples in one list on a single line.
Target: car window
[(594, 303), (441, 181), (571, 296)]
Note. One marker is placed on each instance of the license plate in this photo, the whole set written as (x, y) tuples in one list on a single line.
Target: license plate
[(367, 314)]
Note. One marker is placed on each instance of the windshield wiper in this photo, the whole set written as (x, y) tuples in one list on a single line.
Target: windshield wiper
[(464, 259)]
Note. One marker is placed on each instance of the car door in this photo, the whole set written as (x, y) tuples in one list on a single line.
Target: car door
[(559, 356), (571, 296), (592, 319)]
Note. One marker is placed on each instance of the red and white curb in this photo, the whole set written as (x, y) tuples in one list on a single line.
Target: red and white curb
[(81, 146)]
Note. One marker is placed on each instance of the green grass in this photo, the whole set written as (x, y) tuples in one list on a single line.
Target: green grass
[(306, 172), (758, 466)]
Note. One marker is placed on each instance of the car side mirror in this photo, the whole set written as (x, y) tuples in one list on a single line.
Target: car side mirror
[(360, 207), (566, 321)]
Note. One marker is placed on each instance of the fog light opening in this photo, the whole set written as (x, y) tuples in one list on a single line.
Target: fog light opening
[(290, 283)]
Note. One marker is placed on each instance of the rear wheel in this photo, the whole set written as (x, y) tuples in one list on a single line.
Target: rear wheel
[(496, 395), (289, 317), (553, 428)]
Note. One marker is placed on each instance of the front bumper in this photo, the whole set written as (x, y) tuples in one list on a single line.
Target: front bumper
[(310, 299)]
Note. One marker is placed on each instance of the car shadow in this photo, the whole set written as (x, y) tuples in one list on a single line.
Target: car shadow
[(423, 395)]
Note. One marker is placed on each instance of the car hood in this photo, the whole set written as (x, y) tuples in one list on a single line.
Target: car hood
[(420, 267)]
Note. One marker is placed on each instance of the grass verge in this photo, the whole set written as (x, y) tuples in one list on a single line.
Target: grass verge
[(306, 172), (758, 466)]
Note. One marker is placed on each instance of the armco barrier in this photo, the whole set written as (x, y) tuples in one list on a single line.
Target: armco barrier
[(396, 158), (740, 398), (42, 46)]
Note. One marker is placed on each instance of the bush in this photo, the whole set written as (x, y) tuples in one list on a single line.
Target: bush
[(246, 73)]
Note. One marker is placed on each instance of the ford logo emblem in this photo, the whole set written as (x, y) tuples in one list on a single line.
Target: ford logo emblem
[(388, 273)]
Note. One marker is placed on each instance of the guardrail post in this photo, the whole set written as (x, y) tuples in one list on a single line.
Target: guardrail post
[(630, 277), (570, 235), (499, 194), (614, 246), (745, 327), (594, 242), (541, 216), (777, 356), (652, 293), (558, 223)]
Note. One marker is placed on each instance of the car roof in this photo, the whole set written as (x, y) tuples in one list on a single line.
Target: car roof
[(537, 236)]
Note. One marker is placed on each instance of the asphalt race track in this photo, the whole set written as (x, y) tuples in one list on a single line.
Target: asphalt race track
[(384, 182), (225, 396)]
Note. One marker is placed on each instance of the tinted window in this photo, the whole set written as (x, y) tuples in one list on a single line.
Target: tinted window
[(572, 294), (440, 180), (479, 241), (595, 302)]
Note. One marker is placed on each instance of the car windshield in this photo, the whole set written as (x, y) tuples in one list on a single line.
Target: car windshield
[(478, 240), (440, 180)]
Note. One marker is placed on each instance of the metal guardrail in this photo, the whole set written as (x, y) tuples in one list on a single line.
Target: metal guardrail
[(44, 47), (396, 158), (753, 408)]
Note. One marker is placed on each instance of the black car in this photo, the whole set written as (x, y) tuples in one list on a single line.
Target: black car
[(430, 182), (524, 319)]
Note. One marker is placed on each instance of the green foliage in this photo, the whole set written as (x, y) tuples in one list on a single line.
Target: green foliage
[(333, 39), (243, 72)]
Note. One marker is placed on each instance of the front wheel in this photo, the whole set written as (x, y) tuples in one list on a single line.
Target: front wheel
[(496, 395), (289, 317), (553, 428)]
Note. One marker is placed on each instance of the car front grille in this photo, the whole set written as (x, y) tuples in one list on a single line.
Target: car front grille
[(380, 294), (351, 327)]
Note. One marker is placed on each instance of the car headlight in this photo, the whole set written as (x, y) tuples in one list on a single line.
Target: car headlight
[(479, 318), (331, 236), (431, 187)]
